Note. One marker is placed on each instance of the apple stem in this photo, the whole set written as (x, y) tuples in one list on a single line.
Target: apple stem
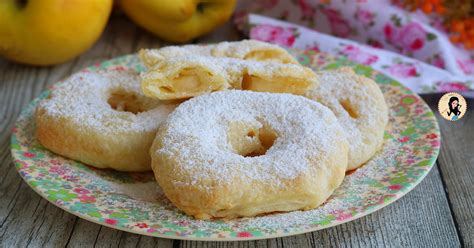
[(200, 7), (21, 4)]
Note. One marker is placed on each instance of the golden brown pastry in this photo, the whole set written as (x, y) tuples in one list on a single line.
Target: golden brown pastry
[(186, 71), (241, 153), (191, 75), (360, 108), (101, 119)]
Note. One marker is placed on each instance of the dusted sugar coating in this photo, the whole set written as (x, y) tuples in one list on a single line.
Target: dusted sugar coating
[(101, 119), (241, 153), (360, 108), (245, 49)]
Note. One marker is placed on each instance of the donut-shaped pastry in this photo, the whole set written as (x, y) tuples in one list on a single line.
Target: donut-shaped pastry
[(101, 119), (241, 153), (360, 107)]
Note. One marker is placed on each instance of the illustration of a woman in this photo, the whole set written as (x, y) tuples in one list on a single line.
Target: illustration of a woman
[(454, 108)]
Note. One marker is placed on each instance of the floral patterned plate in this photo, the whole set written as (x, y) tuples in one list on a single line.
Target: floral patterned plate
[(133, 202)]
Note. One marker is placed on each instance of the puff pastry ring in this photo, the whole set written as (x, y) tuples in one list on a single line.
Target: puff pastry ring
[(241, 153)]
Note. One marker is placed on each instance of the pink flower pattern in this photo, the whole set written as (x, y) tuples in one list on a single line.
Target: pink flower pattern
[(467, 66), (403, 70), (395, 187), (141, 225), (274, 34), (86, 199), (412, 36), (58, 169), (307, 10), (244, 234), (313, 48), (81, 191), (438, 62), (357, 55), (343, 216), (377, 23), (339, 26), (451, 86), (29, 154), (409, 37), (365, 16), (111, 221)]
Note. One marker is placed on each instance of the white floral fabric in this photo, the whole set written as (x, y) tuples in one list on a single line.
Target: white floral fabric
[(409, 47)]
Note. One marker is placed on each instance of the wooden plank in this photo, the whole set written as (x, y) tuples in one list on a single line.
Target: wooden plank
[(108, 237), (456, 162), (25, 217)]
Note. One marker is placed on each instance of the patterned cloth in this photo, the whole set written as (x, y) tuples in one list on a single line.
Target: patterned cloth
[(410, 47)]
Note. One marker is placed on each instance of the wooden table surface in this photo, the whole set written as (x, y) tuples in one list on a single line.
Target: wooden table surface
[(437, 213)]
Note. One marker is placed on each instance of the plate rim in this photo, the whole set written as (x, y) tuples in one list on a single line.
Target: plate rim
[(398, 195), (158, 235)]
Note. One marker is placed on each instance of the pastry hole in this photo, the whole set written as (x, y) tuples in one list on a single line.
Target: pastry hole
[(126, 101), (266, 138), (250, 141), (349, 109), (251, 134), (264, 141)]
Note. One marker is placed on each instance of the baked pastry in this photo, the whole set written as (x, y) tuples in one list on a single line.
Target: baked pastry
[(192, 75), (101, 119), (241, 153), (245, 49), (360, 108)]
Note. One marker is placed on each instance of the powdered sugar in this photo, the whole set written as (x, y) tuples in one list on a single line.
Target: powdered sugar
[(360, 108), (237, 49), (83, 99), (353, 184), (196, 137)]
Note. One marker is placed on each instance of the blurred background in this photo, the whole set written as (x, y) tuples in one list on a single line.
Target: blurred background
[(425, 44)]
